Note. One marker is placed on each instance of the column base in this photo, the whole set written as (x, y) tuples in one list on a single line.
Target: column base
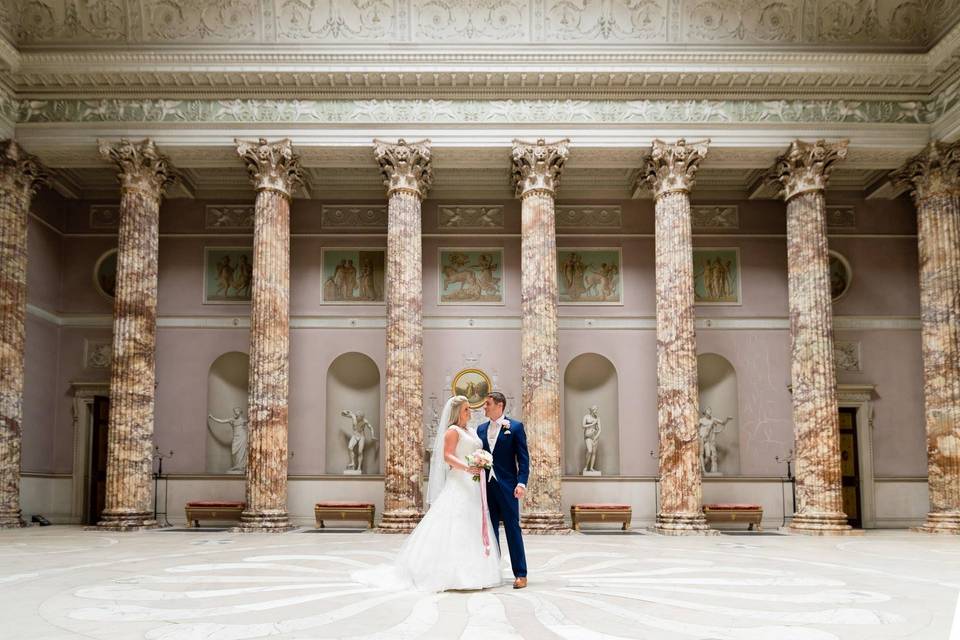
[(549, 523), (11, 520), (399, 521), (822, 524), (943, 522), (683, 524), (126, 521), (264, 522)]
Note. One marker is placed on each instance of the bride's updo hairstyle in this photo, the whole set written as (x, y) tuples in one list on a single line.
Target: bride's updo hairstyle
[(456, 407)]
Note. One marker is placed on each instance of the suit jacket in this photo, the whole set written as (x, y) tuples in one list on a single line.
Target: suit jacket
[(511, 460)]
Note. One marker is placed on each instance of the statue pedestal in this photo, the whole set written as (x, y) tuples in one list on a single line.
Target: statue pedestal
[(713, 474), (591, 473), (352, 472)]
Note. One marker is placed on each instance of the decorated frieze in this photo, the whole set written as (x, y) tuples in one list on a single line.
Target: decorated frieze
[(476, 111)]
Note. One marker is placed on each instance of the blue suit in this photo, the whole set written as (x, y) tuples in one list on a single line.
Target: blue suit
[(511, 466)]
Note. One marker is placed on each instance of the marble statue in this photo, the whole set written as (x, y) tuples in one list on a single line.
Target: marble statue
[(710, 428), (238, 445), (358, 439), (591, 437)]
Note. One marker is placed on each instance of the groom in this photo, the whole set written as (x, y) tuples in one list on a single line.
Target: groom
[(506, 440)]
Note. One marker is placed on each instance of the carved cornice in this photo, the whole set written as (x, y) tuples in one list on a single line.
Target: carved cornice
[(271, 165), (806, 166), (405, 166), (537, 165), (933, 172), (672, 168), (20, 172), (142, 166)]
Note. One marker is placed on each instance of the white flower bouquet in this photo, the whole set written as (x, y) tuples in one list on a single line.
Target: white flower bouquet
[(482, 459)]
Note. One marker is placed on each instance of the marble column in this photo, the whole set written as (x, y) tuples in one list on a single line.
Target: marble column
[(536, 175), (407, 175), (20, 175), (144, 174), (934, 179), (670, 172), (803, 172), (274, 170)]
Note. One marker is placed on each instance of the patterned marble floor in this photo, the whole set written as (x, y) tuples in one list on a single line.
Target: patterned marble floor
[(63, 582)]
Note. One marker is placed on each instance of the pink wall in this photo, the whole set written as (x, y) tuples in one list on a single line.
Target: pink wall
[(885, 284)]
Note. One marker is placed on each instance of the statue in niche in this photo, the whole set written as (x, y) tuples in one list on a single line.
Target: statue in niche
[(710, 428), (358, 439), (591, 437), (238, 445)]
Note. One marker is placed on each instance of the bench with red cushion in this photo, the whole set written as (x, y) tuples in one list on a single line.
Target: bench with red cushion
[(600, 512), (218, 510), (751, 514), (343, 510)]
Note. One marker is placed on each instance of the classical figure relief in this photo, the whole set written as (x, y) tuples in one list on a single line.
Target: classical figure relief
[(473, 276), (353, 276), (716, 276), (589, 276), (228, 275)]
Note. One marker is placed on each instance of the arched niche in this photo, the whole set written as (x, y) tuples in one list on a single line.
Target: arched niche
[(717, 383), (226, 390), (353, 384), (591, 380)]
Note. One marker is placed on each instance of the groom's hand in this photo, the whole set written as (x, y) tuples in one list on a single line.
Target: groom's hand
[(519, 492)]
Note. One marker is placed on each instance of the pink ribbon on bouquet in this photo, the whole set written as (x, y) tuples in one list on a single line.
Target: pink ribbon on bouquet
[(485, 533)]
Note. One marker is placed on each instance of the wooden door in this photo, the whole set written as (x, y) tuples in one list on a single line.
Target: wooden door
[(97, 491), (850, 466)]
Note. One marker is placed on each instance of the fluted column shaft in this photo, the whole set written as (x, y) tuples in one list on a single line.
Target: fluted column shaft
[(129, 487), (407, 176), (536, 170), (934, 178), (274, 171), (803, 172), (670, 172), (19, 174), (539, 360)]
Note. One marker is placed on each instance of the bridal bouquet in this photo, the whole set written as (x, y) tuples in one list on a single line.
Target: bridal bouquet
[(482, 459)]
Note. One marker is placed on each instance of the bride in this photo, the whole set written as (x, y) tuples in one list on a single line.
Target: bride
[(447, 550)]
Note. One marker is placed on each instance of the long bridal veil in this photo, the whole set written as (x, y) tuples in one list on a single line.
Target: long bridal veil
[(438, 466)]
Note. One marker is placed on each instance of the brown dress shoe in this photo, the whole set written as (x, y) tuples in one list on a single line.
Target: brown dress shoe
[(520, 583)]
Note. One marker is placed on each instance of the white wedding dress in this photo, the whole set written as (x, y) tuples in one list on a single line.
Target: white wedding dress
[(445, 551)]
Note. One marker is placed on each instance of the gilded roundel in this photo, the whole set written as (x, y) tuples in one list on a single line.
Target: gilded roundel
[(474, 384)]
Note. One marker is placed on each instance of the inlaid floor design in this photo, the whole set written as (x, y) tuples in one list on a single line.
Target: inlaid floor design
[(63, 582)]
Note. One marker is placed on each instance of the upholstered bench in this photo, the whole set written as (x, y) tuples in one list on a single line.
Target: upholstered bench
[(343, 510), (600, 512), (751, 514), (221, 510)]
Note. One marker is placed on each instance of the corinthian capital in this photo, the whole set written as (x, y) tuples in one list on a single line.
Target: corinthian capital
[(807, 166), (537, 165), (142, 167), (272, 165), (19, 171), (934, 171), (406, 166), (673, 167)]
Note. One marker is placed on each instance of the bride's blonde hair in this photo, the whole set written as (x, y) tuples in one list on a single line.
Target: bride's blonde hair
[(456, 407)]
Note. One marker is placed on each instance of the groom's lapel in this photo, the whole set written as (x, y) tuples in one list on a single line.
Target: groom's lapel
[(482, 432)]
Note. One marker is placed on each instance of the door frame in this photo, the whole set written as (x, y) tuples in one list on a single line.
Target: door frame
[(83, 395), (860, 397)]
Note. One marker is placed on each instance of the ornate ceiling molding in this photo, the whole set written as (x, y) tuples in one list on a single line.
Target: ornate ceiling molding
[(900, 24)]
